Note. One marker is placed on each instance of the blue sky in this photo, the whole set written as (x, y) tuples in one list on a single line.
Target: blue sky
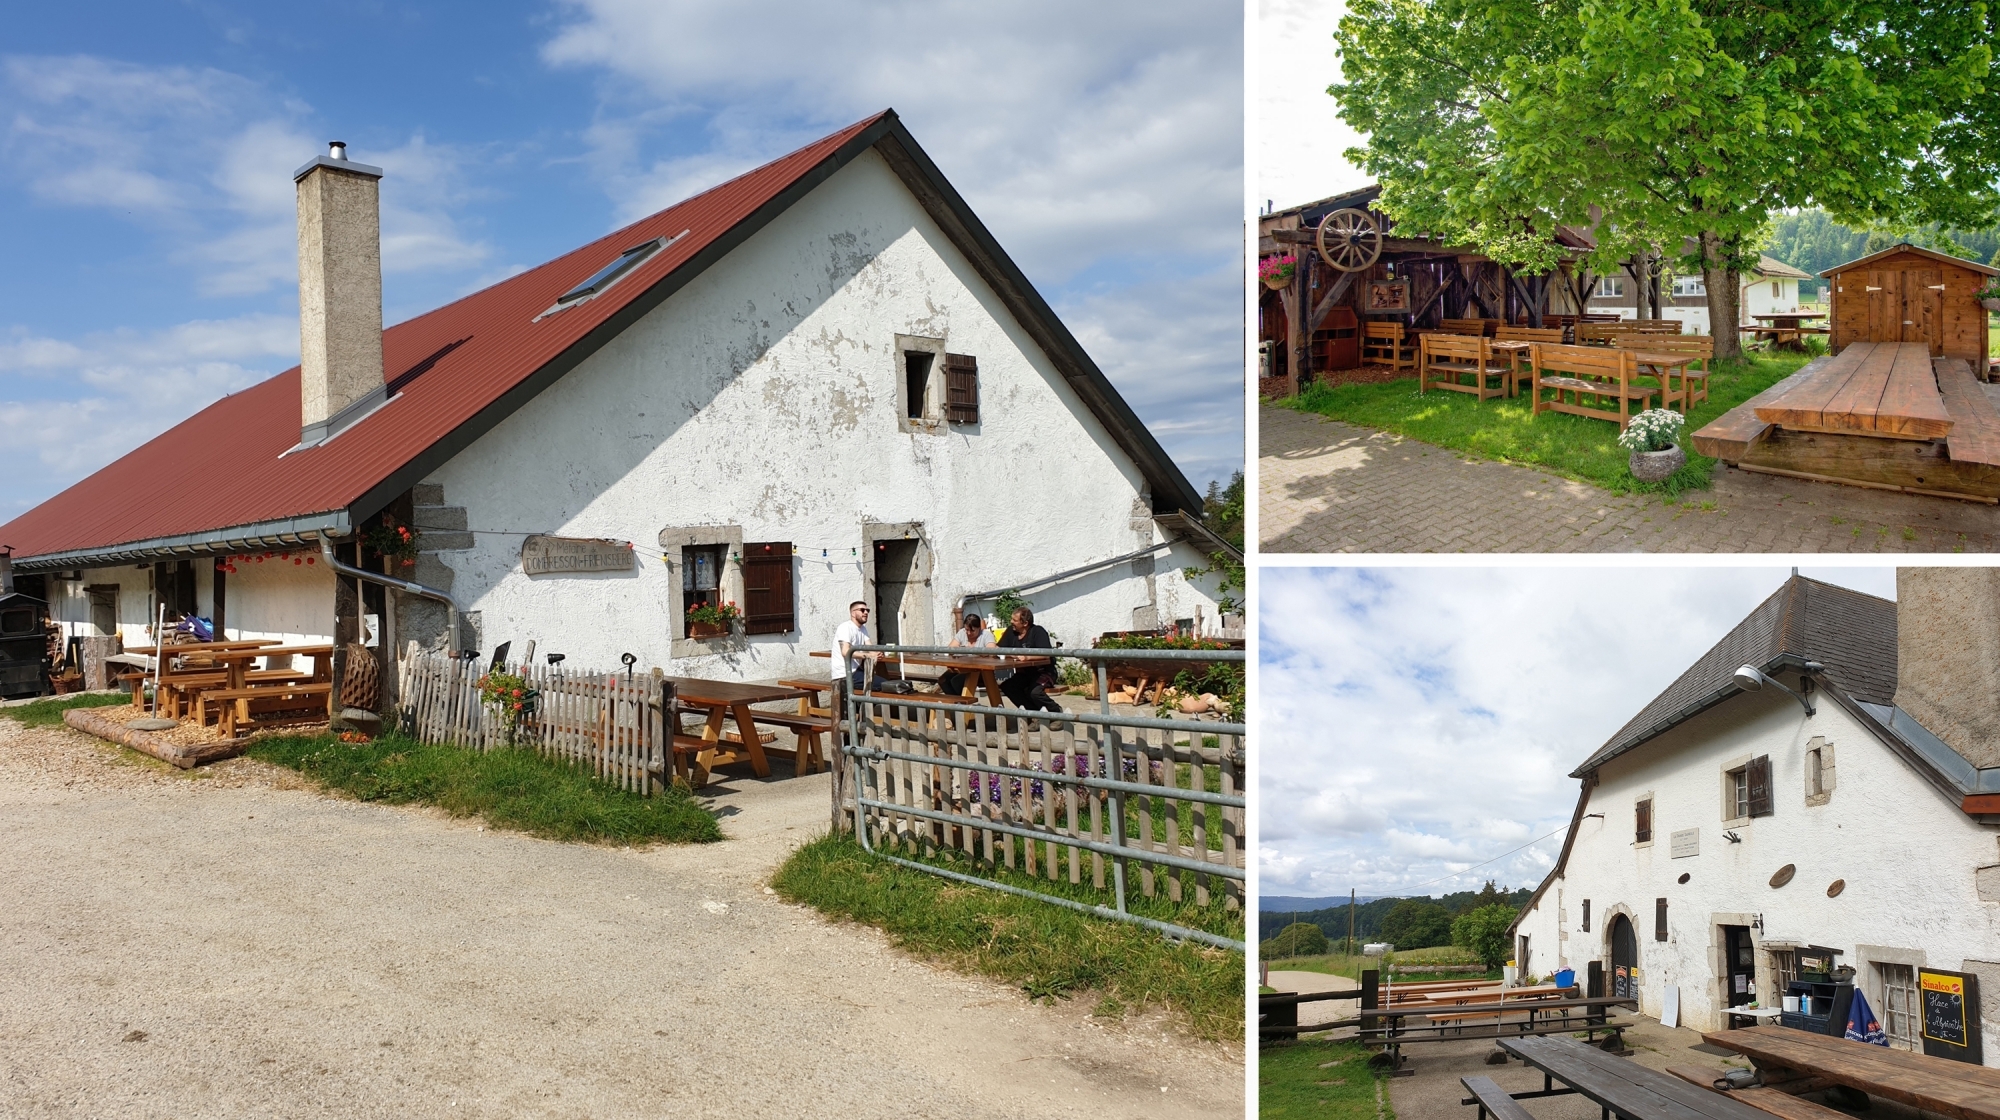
[(1417, 722), (146, 198)]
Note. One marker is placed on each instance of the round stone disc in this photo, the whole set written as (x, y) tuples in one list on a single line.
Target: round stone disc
[(152, 723)]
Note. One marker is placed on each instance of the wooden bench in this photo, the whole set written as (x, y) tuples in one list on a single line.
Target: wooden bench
[(1586, 371), (1493, 1100), (1442, 359), (279, 705), (1388, 343), (1975, 422), (1777, 1102), (1608, 334), (1483, 327)]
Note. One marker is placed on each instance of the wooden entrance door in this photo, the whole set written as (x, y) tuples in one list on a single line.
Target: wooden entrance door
[(1624, 958), (1923, 308), (1885, 306)]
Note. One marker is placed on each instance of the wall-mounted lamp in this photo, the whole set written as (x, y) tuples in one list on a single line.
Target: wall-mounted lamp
[(1732, 837), (1750, 679)]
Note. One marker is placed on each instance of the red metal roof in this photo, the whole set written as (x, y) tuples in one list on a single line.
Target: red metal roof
[(222, 467)]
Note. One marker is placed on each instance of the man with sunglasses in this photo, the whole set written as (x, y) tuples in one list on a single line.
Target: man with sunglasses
[(853, 632)]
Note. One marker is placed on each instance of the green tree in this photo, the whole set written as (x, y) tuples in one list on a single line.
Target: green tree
[(1416, 923), (1482, 931), (1669, 125), (1222, 512), (1300, 939)]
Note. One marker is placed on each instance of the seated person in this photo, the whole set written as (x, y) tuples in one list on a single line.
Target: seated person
[(974, 636), (1028, 687)]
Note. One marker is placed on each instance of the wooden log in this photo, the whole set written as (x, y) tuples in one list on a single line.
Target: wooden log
[(1911, 466), (92, 722)]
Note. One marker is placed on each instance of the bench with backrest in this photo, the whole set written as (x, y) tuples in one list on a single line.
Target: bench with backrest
[(1608, 334), (271, 705), (1493, 1100), (1442, 359), (1599, 373), (1694, 382), (1388, 342), (1523, 372), (1468, 326)]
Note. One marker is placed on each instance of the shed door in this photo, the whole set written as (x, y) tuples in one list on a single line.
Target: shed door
[(1885, 306), (1923, 308)]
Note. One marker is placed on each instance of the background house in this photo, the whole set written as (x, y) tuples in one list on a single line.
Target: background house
[(818, 382), (1771, 288), (1721, 832)]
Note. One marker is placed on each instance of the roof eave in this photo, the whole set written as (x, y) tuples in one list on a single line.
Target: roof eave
[(282, 532)]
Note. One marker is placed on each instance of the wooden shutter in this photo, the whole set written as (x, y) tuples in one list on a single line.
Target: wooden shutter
[(1644, 831), (767, 588), (1659, 919), (961, 389), (1758, 775)]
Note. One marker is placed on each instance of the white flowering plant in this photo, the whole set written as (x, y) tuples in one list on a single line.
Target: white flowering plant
[(1655, 429)]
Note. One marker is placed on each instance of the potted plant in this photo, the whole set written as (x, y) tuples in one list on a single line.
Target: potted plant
[(1277, 272), (711, 620), (397, 544), (1653, 438), (1989, 296)]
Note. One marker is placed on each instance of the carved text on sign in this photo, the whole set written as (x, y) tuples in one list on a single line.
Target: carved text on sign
[(542, 556)]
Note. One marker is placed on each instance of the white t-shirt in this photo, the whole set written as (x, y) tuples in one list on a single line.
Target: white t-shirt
[(854, 636), (984, 640)]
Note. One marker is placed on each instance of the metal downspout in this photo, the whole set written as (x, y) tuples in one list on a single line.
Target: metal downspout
[(414, 588)]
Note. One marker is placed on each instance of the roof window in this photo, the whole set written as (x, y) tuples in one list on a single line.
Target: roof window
[(604, 277)]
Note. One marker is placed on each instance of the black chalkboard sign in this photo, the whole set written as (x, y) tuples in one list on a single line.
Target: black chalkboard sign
[(1951, 1015)]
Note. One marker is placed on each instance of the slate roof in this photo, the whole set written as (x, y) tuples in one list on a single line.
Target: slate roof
[(223, 476), (1851, 633)]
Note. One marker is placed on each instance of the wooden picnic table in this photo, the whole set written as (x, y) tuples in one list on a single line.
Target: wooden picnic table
[(726, 700), (1880, 389), (981, 670), (1664, 366), (1940, 1085), (246, 696), (1786, 329), (142, 660), (1621, 1087)]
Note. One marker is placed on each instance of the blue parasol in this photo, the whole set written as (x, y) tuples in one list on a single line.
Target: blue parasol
[(1862, 1026)]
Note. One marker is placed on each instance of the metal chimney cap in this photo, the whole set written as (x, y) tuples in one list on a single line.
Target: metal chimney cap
[(337, 149), (336, 157)]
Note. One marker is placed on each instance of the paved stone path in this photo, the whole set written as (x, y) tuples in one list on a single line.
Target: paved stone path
[(1327, 486)]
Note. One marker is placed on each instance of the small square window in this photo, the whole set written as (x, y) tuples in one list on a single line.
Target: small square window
[(1739, 793), (701, 577), (1610, 287)]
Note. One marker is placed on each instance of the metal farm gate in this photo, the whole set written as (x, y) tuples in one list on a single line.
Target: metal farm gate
[(1118, 802)]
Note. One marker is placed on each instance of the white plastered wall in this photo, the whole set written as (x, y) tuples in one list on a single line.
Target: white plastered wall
[(285, 595), (765, 395), (1908, 857)]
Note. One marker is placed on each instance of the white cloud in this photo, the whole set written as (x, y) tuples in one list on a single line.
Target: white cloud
[(1299, 134), (68, 407), (205, 159), (1417, 722)]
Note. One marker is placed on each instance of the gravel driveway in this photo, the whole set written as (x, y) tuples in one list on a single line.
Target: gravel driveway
[(235, 944)]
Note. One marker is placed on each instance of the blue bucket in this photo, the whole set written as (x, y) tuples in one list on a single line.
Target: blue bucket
[(1565, 978)]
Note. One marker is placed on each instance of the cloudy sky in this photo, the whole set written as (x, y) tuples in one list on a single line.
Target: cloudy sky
[(1299, 137), (1416, 722), (146, 151)]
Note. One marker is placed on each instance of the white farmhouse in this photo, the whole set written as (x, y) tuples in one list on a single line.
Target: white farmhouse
[(818, 382), (1771, 288), (1723, 833)]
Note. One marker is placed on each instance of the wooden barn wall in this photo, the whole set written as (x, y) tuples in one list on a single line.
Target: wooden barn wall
[(1960, 328)]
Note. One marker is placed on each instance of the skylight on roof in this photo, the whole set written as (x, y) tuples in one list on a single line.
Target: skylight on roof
[(606, 276)]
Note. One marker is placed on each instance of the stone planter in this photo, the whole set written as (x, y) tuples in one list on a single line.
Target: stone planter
[(1655, 466), (1990, 304), (707, 630)]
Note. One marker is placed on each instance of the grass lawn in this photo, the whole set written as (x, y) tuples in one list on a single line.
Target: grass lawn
[(48, 713), (517, 790), (1506, 429), (1048, 951), (1308, 1080)]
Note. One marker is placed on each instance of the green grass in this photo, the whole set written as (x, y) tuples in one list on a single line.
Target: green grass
[(517, 790), (1506, 429), (48, 713), (1309, 1080), (1050, 952)]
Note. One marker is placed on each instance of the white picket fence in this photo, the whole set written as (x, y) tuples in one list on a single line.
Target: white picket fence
[(609, 723)]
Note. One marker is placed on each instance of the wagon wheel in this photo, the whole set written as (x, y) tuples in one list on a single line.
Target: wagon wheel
[(1349, 240)]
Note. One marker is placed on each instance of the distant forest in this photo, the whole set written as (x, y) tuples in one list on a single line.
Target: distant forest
[(1408, 923), (1812, 242)]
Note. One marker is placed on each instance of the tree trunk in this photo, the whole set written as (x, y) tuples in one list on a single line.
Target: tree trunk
[(1723, 298)]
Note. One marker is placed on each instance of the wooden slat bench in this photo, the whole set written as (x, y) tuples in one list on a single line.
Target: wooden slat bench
[(1442, 359), (280, 705), (1468, 326), (1694, 382), (1975, 422), (1493, 1100), (1734, 432), (1586, 371), (1387, 343), (1777, 1102), (810, 753)]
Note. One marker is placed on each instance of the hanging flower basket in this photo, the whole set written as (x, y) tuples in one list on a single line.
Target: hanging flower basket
[(1277, 272)]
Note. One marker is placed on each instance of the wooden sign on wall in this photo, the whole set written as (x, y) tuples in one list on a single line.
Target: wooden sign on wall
[(541, 556)]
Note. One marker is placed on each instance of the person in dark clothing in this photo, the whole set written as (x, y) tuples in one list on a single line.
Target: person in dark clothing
[(1028, 688)]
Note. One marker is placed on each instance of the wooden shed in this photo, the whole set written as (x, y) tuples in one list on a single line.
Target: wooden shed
[(1907, 293)]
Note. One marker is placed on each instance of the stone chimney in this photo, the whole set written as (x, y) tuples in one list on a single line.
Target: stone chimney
[(340, 293), (1948, 656)]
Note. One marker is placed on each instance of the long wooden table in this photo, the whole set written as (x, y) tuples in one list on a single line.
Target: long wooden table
[(1871, 388), (981, 670), (726, 700), (1622, 1087), (1948, 1088)]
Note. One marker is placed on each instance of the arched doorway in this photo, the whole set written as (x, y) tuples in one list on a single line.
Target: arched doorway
[(1624, 958)]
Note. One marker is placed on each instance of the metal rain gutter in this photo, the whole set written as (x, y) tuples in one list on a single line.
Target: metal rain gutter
[(978, 596), (410, 586), (290, 532)]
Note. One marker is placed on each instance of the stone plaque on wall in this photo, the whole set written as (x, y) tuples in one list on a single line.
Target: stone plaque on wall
[(1686, 842), (543, 556)]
